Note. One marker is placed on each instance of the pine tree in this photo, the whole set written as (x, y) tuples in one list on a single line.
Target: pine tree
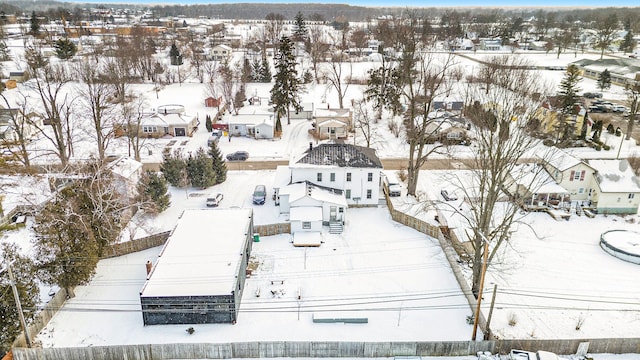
[(173, 168), (284, 93), (174, 55), (28, 291), (200, 170), (256, 70), (65, 248), (300, 32), (265, 74), (208, 124), (34, 27), (65, 49), (153, 192), (219, 166), (568, 95), (604, 80)]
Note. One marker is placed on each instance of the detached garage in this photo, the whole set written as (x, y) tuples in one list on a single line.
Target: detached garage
[(200, 273)]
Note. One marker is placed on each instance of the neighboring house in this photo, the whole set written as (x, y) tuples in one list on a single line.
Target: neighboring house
[(622, 70), (445, 131), (549, 114), (535, 187), (259, 126), (571, 173), (353, 169), (220, 52), (306, 113), (199, 275), (168, 120), (332, 123), (127, 173), (18, 76), (617, 189), (11, 118), (490, 44), (449, 104)]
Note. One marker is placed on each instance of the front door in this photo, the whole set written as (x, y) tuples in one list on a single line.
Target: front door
[(332, 213), (180, 131)]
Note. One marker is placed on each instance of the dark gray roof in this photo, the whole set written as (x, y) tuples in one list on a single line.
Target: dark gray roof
[(342, 155)]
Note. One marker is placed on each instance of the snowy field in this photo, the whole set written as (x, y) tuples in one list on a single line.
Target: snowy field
[(395, 276)]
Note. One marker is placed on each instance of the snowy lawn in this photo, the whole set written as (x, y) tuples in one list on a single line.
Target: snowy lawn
[(393, 275)]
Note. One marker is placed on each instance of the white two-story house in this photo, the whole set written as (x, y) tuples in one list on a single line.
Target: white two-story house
[(573, 174), (331, 177)]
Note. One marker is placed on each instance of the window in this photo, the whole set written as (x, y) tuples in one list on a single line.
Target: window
[(576, 175), (319, 177), (370, 177), (580, 191), (341, 210), (306, 225), (348, 176), (631, 196), (369, 194), (149, 129), (347, 193), (332, 177)]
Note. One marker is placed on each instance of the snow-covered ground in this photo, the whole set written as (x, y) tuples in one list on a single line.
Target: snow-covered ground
[(548, 281)]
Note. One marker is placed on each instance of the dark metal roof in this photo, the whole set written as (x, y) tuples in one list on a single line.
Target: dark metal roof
[(342, 155)]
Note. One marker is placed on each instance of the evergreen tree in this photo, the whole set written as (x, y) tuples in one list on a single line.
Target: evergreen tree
[(604, 80), (28, 291), (174, 55), (200, 170), (265, 71), (569, 89), (256, 70), (208, 124), (300, 32), (628, 44), (284, 93), (153, 192), (219, 166), (173, 168), (65, 49), (239, 99), (568, 95), (34, 27), (246, 73), (66, 250)]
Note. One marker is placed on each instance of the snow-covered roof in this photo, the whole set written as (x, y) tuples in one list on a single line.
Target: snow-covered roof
[(166, 119), (332, 113), (305, 213), (301, 190), (125, 167), (536, 179), (283, 176), (342, 155), (332, 123), (615, 176), (561, 160), (251, 119), (202, 255)]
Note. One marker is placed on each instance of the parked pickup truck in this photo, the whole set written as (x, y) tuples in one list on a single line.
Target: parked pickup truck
[(528, 355)]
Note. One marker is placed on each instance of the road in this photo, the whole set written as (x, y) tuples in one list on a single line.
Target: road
[(388, 164)]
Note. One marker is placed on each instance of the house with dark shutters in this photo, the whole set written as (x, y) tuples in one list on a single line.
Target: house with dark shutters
[(200, 273)]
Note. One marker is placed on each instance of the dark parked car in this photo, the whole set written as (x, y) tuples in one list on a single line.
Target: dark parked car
[(259, 195), (591, 95), (214, 201), (449, 196), (238, 156)]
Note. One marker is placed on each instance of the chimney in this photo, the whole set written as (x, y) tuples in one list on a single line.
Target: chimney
[(310, 145), (149, 265)]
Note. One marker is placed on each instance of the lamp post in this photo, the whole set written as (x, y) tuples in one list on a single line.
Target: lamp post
[(620, 147)]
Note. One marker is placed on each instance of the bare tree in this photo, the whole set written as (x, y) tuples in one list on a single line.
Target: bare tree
[(132, 118), (274, 27), (501, 116), (96, 101), (606, 28), (55, 107), (19, 119), (363, 122), (337, 79), (318, 47)]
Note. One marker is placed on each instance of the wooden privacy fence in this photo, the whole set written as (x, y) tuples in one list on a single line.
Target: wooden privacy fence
[(272, 229), (132, 246), (320, 349)]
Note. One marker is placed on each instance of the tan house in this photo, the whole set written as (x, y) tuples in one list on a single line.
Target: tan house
[(220, 52), (549, 114), (168, 120), (332, 123)]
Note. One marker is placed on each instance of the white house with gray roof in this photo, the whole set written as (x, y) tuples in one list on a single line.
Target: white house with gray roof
[(573, 174)]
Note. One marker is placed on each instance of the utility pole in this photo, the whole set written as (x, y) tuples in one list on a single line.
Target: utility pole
[(484, 270), (23, 323)]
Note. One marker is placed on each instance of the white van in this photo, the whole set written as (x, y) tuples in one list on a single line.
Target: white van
[(391, 184)]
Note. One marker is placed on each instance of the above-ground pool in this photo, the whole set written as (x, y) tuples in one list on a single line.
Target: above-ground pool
[(623, 244)]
